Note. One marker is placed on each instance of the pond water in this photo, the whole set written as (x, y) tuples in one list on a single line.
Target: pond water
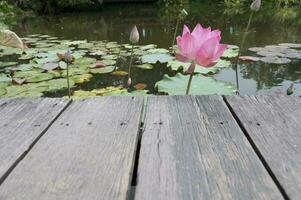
[(156, 25)]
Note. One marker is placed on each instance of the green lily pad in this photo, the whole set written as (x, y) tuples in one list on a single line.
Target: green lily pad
[(15, 90), (109, 57), (39, 77), (7, 64), (119, 73), (82, 94), (84, 60), (110, 91), (2, 91), (201, 85), (145, 66), (103, 70), (82, 78), (4, 78), (158, 57), (159, 50), (181, 66), (231, 53), (58, 84), (147, 47), (108, 62), (85, 45)]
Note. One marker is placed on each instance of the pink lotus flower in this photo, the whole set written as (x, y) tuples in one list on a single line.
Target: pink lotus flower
[(202, 46)]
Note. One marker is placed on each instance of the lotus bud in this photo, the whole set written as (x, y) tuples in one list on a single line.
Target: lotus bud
[(255, 6), (191, 68), (134, 36), (129, 81), (68, 57)]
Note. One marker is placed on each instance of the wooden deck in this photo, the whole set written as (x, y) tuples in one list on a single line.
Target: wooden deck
[(159, 148)]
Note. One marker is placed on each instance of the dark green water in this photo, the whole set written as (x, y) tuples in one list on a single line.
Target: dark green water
[(270, 26)]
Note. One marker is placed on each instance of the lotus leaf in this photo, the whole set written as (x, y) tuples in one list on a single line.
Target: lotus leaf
[(201, 85), (103, 70), (158, 57)]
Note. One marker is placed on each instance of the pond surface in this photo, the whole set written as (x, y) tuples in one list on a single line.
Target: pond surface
[(270, 26)]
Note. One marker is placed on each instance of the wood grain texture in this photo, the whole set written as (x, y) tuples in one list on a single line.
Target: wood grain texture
[(192, 148), (88, 153), (22, 121), (274, 125)]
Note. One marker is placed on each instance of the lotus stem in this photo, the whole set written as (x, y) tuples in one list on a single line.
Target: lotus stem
[(240, 50), (175, 33), (189, 83), (131, 60), (68, 82)]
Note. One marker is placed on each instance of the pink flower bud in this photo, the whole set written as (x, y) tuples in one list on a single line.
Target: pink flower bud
[(129, 81), (255, 6), (134, 36), (68, 57)]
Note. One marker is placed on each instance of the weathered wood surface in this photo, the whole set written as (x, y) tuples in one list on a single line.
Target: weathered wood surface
[(274, 125), (88, 153), (22, 122), (192, 148)]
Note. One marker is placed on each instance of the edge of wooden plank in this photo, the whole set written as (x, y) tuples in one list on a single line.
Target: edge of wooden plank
[(254, 146), (156, 123), (126, 186)]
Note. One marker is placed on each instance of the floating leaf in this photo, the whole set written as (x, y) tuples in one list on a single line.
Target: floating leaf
[(82, 78), (249, 58), (181, 66), (159, 50), (140, 86), (109, 57), (201, 85), (4, 78), (269, 54), (2, 91), (291, 45), (158, 57), (58, 84), (256, 49), (98, 64), (231, 53), (110, 91), (275, 60), (119, 73), (109, 62), (81, 94), (39, 77), (50, 66), (147, 47), (144, 66), (103, 70)]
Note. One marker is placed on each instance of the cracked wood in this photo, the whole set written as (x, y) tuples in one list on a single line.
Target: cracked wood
[(274, 125), (88, 153), (192, 148), (22, 122)]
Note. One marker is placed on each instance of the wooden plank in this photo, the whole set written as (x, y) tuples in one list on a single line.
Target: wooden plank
[(22, 122), (274, 125), (192, 148), (88, 153)]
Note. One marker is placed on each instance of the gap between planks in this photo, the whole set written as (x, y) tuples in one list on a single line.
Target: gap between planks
[(23, 155), (256, 150)]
